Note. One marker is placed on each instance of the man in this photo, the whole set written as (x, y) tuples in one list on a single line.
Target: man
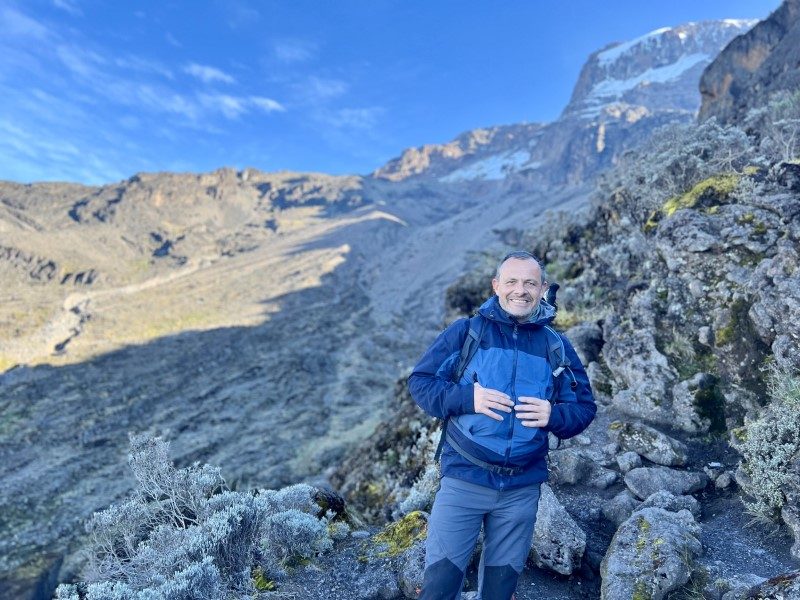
[(499, 414)]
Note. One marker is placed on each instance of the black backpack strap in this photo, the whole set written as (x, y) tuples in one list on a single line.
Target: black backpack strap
[(477, 324)]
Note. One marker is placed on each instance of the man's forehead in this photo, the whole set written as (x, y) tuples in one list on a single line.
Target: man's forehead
[(520, 268)]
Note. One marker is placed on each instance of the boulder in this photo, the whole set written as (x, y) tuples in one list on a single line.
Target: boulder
[(649, 443), (672, 503), (569, 466), (781, 587), (645, 482), (650, 555), (620, 507), (558, 542)]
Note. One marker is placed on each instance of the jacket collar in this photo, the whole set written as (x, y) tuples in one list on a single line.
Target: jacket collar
[(492, 310)]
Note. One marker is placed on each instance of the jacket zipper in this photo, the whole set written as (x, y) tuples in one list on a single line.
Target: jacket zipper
[(513, 396)]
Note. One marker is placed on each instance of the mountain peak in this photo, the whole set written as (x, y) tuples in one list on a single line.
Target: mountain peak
[(651, 70)]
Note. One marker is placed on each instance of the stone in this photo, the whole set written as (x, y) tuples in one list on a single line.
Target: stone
[(790, 514), (687, 397), (724, 481), (412, 569), (558, 542), (620, 507), (602, 478), (628, 460), (587, 339), (781, 587), (672, 503), (650, 555), (644, 481), (649, 443), (569, 466)]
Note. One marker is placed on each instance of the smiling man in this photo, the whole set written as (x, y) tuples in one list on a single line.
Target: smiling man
[(523, 381)]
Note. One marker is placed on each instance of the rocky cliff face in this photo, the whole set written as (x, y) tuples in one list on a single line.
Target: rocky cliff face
[(754, 66), (624, 92)]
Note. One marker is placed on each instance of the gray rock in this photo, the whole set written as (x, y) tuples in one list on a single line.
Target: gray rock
[(558, 542), (672, 503), (734, 587), (412, 569), (649, 443), (781, 587), (602, 478), (628, 460), (644, 482), (620, 507), (685, 400), (569, 466), (587, 338), (790, 514), (650, 555), (724, 481)]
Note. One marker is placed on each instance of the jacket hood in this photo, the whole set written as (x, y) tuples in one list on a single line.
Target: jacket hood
[(491, 309)]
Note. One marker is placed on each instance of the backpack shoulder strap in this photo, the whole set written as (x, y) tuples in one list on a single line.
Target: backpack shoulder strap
[(472, 342), (556, 353)]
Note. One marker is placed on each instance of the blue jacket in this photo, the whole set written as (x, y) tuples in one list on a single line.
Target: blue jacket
[(512, 358)]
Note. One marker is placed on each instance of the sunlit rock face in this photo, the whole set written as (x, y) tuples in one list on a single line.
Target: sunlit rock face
[(754, 66)]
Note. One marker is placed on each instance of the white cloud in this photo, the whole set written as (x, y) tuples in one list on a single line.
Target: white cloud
[(69, 6), (267, 104), (231, 107), (143, 65), (173, 40), (14, 23), (354, 118), (80, 61), (208, 74), (319, 89), (294, 51)]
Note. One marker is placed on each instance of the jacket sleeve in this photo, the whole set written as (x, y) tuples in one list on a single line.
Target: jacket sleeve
[(574, 410), (430, 383)]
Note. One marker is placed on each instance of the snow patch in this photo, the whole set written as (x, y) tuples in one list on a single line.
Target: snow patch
[(493, 168), (612, 54), (615, 88)]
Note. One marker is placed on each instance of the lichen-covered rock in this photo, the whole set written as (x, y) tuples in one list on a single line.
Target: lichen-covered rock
[(649, 443), (569, 466), (645, 482), (688, 399), (587, 339), (558, 542), (782, 587), (672, 503), (650, 555)]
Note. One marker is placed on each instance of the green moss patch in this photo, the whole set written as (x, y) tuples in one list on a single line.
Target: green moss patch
[(401, 535), (707, 193)]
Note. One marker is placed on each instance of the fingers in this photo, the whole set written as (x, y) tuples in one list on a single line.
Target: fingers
[(490, 413)]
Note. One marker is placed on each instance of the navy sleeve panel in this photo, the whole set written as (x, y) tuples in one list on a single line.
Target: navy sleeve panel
[(430, 384), (571, 416)]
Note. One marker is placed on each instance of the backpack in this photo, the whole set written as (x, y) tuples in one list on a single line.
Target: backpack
[(556, 356)]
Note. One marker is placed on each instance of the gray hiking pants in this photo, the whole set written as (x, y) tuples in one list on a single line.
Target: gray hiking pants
[(459, 510)]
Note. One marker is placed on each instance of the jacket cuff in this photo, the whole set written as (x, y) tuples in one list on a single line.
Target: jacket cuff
[(466, 400), (556, 421)]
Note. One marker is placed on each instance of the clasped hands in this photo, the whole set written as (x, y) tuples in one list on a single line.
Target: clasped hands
[(532, 412)]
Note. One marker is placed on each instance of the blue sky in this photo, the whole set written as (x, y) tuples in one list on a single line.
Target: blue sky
[(94, 91)]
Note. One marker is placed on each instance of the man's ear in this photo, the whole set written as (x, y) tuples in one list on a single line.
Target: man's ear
[(495, 283)]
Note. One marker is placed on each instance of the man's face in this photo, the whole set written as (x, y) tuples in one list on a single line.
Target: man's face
[(519, 287)]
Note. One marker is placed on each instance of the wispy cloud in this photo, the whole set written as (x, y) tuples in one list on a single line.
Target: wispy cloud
[(354, 118), (69, 6), (267, 104), (14, 23), (208, 74), (316, 90), (294, 50), (229, 106), (172, 40)]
